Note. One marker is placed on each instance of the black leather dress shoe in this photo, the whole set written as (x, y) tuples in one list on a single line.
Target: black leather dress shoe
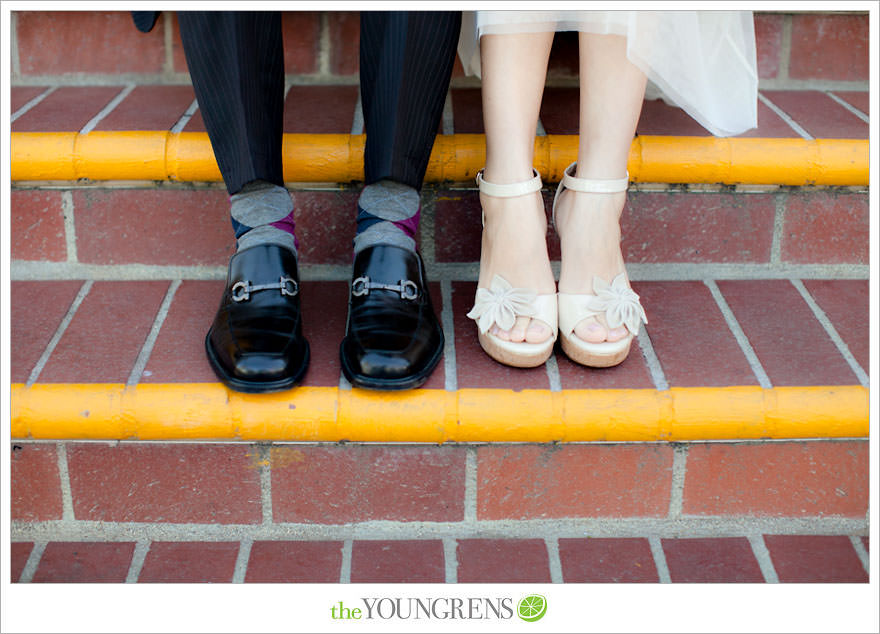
[(393, 340), (256, 343)]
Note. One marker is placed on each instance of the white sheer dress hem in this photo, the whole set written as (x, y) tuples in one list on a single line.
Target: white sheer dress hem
[(701, 61)]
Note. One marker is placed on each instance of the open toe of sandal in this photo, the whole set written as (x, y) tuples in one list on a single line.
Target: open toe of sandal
[(619, 305), (616, 301), (501, 303)]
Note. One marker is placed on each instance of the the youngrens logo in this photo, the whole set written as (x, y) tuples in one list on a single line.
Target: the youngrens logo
[(530, 608)]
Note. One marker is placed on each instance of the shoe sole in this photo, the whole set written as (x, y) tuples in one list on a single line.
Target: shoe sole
[(406, 383), (256, 387), (516, 354), (596, 355)]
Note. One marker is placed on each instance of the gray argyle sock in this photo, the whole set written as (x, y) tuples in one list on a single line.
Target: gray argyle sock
[(262, 213), (388, 213)]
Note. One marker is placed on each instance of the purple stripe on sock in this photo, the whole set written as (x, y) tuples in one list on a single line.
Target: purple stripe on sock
[(287, 224), (409, 226)]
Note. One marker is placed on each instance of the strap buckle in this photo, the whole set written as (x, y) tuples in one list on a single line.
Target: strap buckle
[(241, 291), (407, 288)]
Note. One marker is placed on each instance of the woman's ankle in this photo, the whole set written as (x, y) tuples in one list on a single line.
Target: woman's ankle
[(514, 247), (588, 226), (507, 174)]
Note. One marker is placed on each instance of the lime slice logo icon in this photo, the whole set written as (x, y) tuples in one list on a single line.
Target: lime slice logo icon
[(532, 608)]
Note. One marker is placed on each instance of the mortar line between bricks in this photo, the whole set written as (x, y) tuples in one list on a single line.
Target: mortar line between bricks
[(67, 212), (266, 483), (141, 548), (167, 45), (241, 561), (13, 42), (118, 99), (67, 513), (324, 44), (33, 102), (33, 562), (553, 560), (739, 335), (679, 471), (795, 85), (345, 567), (659, 559), (681, 189), (861, 115), (822, 318), (448, 125), (552, 368), (470, 486), (181, 78), (344, 384), (185, 117), (147, 349), (762, 554), (778, 229), (539, 128), (652, 361), (450, 369), (459, 272), (357, 119), (450, 556), (59, 332), (859, 547), (794, 125), (450, 444), (733, 526), (785, 49)]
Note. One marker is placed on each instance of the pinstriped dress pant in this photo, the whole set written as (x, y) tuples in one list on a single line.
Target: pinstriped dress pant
[(236, 62)]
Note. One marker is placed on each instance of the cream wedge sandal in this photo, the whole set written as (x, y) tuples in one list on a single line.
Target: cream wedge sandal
[(501, 303), (616, 301)]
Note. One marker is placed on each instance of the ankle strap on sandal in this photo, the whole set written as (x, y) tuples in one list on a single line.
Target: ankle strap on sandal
[(595, 186), (510, 190), (587, 185)]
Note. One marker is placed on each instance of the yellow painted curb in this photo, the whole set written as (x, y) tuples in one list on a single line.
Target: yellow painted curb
[(208, 411), (338, 158)]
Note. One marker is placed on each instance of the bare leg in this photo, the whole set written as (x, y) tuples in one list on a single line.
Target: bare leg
[(514, 242), (611, 93)]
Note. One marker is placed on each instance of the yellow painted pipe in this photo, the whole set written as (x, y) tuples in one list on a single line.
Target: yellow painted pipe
[(338, 158), (208, 411), (43, 156)]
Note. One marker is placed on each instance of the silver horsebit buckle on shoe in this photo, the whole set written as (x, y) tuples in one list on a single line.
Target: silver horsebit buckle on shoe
[(241, 291), (363, 286)]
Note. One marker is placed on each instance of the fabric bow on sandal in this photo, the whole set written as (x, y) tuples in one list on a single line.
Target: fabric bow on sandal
[(616, 302), (501, 303)]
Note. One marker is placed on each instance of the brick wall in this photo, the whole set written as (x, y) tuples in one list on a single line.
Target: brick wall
[(321, 47), (228, 484)]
